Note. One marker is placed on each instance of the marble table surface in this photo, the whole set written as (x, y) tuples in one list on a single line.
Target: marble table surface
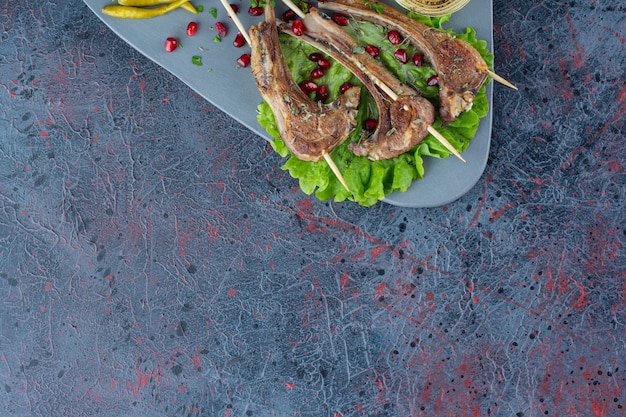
[(156, 261)]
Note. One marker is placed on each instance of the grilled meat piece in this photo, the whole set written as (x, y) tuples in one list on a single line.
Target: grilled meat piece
[(461, 69), (309, 129), (409, 118)]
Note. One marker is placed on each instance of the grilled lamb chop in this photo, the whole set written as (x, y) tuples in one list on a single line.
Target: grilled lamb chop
[(461, 69), (309, 129), (409, 117)]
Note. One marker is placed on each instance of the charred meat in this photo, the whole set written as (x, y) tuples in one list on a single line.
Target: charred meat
[(309, 129)]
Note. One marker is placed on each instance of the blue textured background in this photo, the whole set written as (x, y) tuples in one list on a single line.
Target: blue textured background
[(155, 261)]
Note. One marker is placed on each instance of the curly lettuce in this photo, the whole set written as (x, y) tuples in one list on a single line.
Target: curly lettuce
[(370, 181)]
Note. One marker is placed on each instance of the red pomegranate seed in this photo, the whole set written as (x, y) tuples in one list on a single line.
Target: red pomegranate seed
[(239, 41), (394, 37), (243, 61), (192, 28), (317, 73), (340, 19), (308, 86), (289, 16), (370, 124), (322, 92), (171, 44), (345, 87), (372, 50), (434, 80), (323, 63), (297, 27), (221, 29), (315, 57), (418, 60), (401, 55), (255, 11), (234, 7)]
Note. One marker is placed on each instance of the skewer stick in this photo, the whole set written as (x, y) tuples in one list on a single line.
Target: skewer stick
[(294, 8), (388, 90), (335, 170), (238, 23), (246, 36), (501, 80), (445, 142)]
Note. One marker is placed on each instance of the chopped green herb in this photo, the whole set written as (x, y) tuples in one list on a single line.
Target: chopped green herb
[(196, 60), (217, 38), (304, 6), (200, 8), (378, 8), (213, 12)]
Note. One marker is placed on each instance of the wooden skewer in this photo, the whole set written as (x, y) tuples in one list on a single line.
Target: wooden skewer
[(501, 80), (246, 36), (335, 170), (388, 90), (294, 8), (445, 142), (238, 23)]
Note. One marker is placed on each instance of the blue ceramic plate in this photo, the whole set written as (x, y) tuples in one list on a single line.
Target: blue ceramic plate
[(234, 91)]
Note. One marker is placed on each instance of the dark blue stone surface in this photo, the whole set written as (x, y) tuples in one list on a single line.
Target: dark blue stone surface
[(155, 260)]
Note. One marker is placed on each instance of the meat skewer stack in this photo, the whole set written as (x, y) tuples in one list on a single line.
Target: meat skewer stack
[(311, 130)]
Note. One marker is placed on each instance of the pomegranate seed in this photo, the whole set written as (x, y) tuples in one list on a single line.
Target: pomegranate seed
[(308, 86), (297, 28), (243, 61), (345, 87), (372, 50), (192, 28), (401, 55), (317, 73), (255, 11), (221, 29), (340, 19), (171, 44), (394, 37), (289, 16), (418, 60), (322, 92), (235, 8), (370, 124), (434, 80), (239, 41), (315, 57), (323, 63)]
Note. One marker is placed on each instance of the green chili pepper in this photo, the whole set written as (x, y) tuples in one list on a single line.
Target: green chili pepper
[(130, 12), (139, 3)]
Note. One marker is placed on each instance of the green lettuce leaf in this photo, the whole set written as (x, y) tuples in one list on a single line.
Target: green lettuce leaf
[(370, 181)]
